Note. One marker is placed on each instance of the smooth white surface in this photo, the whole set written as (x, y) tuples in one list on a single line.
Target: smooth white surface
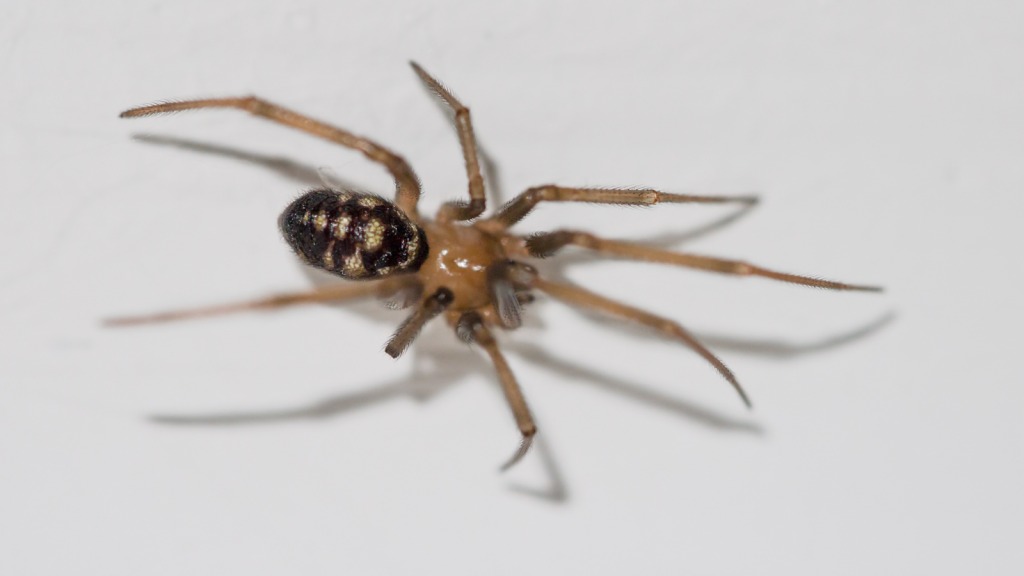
[(885, 139)]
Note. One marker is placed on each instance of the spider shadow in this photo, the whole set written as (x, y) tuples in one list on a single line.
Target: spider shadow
[(287, 168), (690, 411), (784, 350), (772, 348), (434, 371), (438, 369)]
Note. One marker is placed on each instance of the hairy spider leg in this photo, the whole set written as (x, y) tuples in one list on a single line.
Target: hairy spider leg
[(472, 328), (408, 186), (381, 288), (516, 209), (477, 201), (546, 244), (585, 299)]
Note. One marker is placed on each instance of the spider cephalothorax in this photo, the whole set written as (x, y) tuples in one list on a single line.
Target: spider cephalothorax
[(473, 271)]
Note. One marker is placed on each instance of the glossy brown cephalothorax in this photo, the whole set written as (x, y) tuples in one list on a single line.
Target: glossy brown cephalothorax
[(472, 270)]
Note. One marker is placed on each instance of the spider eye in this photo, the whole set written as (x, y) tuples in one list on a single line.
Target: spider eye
[(356, 236)]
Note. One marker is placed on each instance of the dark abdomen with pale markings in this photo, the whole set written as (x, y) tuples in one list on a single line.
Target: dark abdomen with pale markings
[(356, 236)]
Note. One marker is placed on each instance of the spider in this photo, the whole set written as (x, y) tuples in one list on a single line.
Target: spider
[(469, 269)]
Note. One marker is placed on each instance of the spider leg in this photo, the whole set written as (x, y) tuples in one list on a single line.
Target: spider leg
[(408, 187), (472, 328), (546, 244), (521, 205), (464, 125), (585, 299), (326, 294), (428, 309)]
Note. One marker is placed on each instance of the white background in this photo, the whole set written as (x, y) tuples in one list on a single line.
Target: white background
[(885, 139)]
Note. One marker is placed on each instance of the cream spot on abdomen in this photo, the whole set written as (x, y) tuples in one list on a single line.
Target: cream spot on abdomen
[(341, 226), (354, 265), (373, 235), (329, 256), (320, 222)]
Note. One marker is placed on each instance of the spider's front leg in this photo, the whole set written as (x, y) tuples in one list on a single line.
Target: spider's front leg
[(521, 205)]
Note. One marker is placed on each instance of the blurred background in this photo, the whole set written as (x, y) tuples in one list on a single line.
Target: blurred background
[(884, 138)]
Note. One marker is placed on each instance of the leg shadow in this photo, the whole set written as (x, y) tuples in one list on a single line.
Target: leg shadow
[(670, 239), (783, 350), (556, 491), (433, 372), (554, 268), (682, 408), (289, 169)]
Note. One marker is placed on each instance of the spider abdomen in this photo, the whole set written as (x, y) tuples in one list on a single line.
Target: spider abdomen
[(356, 236)]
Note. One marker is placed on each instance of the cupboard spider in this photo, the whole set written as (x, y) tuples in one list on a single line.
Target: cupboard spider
[(471, 270)]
